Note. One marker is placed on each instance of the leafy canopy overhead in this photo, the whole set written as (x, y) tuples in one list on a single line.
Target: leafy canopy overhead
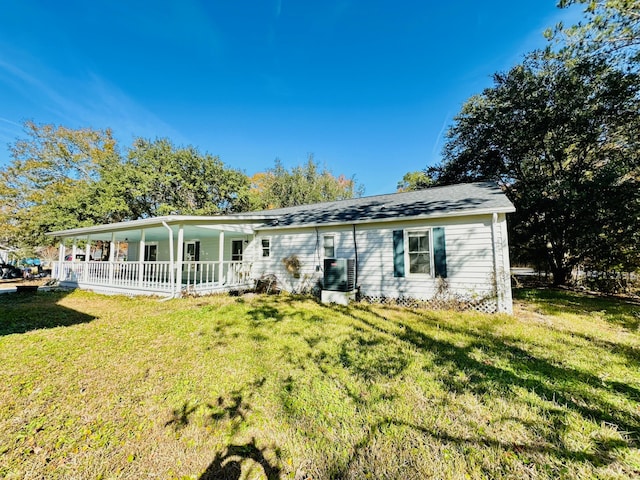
[(563, 140), (610, 28)]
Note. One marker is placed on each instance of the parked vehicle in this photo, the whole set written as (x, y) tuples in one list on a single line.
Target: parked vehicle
[(8, 272)]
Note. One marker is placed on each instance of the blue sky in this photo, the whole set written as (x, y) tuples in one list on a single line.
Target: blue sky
[(368, 87)]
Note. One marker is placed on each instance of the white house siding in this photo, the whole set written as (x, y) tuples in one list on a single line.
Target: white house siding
[(469, 260), (208, 248), (132, 251), (299, 242), (469, 255)]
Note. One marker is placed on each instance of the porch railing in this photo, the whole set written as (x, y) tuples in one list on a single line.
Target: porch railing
[(203, 275), (156, 276)]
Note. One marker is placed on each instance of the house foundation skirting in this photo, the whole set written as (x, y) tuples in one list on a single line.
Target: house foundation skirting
[(485, 305), (132, 292)]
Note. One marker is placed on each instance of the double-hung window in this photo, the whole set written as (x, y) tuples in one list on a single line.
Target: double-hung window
[(329, 246), (419, 251), (423, 250), (266, 247)]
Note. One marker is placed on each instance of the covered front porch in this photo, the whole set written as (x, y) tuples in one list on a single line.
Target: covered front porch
[(167, 257)]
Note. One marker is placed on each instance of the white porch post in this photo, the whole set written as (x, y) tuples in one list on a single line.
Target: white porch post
[(141, 258), (171, 258), (257, 249), (61, 254), (74, 249), (87, 257), (221, 257), (179, 259), (112, 247)]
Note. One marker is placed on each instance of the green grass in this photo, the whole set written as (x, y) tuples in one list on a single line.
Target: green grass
[(95, 387)]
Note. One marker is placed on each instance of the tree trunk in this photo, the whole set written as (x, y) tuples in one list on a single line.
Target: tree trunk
[(558, 265), (561, 275)]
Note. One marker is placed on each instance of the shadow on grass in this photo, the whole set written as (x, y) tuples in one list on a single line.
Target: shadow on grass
[(518, 448), (227, 465), (234, 409), (629, 352), (503, 370), (264, 313), (554, 302), (272, 309), (485, 364), (22, 313), (231, 407), (574, 389), (372, 358)]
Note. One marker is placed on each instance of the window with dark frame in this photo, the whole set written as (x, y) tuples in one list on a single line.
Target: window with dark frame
[(150, 253), (266, 247)]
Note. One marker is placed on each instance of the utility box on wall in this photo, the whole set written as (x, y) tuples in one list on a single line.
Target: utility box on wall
[(339, 274)]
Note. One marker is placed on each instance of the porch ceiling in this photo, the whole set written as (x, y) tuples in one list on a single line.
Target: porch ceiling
[(155, 234)]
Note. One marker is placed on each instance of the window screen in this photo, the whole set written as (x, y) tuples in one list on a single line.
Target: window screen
[(419, 255), (329, 247)]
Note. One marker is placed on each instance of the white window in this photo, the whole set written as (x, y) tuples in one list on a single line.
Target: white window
[(419, 251), (329, 246), (266, 247)]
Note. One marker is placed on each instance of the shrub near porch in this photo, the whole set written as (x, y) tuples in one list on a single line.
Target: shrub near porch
[(282, 387)]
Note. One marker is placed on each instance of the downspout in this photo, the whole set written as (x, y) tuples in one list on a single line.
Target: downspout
[(355, 249), (179, 260), (319, 266), (171, 261)]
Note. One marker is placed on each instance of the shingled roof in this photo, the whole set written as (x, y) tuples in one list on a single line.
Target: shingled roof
[(454, 200)]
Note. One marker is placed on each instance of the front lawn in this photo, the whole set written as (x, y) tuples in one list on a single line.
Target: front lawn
[(95, 387)]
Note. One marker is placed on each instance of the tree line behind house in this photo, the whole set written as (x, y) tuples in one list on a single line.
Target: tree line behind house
[(61, 178), (560, 132)]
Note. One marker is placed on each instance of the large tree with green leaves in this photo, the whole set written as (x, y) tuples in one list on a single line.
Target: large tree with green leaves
[(62, 178), (309, 183), (162, 179), (50, 183), (562, 138)]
